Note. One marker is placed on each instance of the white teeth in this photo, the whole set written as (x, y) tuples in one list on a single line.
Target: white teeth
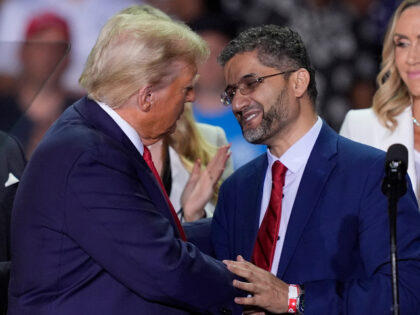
[(250, 117)]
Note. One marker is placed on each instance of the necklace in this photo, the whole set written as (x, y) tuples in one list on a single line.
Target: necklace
[(416, 122)]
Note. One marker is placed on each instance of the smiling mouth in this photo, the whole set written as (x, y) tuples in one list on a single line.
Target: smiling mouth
[(413, 74), (250, 117), (246, 118)]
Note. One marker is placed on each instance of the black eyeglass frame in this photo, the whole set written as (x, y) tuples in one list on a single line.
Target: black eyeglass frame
[(227, 100)]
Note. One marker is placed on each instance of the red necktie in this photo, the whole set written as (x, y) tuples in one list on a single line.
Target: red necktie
[(268, 232), (148, 158)]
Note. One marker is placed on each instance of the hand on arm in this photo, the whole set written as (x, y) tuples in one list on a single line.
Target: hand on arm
[(199, 188), (268, 291)]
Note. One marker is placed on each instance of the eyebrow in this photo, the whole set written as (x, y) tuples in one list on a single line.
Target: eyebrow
[(249, 75), (403, 36), (243, 77)]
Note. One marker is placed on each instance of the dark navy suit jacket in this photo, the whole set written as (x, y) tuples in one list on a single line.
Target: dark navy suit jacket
[(337, 239), (93, 234), (12, 163)]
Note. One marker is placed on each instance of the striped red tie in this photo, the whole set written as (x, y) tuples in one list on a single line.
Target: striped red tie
[(268, 232), (148, 158)]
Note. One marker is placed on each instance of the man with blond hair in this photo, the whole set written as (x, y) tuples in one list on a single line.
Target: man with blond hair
[(92, 230)]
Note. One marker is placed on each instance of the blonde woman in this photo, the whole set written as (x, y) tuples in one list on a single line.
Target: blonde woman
[(191, 146), (395, 113)]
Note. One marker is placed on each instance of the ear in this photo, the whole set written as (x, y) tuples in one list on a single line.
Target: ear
[(145, 98), (300, 82)]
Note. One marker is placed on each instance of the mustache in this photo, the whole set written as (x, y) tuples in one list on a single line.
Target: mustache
[(240, 114)]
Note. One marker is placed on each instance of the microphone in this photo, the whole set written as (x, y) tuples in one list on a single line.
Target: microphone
[(396, 161)]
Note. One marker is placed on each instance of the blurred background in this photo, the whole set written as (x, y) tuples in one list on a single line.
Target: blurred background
[(44, 44)]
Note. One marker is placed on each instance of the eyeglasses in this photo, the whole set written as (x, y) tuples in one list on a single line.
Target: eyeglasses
[(246, 85)]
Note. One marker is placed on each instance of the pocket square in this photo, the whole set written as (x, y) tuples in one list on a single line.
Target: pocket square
[(12, 179)]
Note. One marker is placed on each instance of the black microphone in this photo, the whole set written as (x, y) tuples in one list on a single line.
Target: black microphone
[(396, 161)]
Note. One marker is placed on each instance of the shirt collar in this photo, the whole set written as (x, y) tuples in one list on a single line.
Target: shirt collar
[(298, 154), (128, 130)]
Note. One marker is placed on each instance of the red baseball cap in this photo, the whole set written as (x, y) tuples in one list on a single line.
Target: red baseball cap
[(46, 21)]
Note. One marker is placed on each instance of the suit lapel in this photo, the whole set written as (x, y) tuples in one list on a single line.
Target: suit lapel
[(101, 121), (250, 205), (315, 176)]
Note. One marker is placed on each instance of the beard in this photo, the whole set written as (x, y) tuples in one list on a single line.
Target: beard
[(273, 121)]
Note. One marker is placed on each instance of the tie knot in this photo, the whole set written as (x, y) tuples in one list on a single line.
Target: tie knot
[(147, 156), (278, 171)]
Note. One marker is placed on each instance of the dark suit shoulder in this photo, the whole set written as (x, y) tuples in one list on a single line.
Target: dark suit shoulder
[(252, 168), (69, 137), (10, 146), (355, 152), (75, 137)]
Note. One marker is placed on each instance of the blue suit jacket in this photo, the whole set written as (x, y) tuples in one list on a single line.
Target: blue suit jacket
[(337, 239), (93, 234)]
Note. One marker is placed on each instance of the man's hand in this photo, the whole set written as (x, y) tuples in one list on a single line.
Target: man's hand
[(268, 292), (199, 188)]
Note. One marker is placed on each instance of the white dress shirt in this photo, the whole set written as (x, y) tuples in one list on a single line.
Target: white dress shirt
[(128, 130), (295, 159)]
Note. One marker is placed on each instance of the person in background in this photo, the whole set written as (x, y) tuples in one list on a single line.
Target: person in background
[(38, 97), (85, 19), (184, 10), (395, 112), (191, 146), (12, 163), (91, 216), (310, 214)]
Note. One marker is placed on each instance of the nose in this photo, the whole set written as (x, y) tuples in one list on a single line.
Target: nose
[(239, 102), (414, 54)]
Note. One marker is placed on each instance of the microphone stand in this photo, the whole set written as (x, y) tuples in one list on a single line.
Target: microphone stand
[(394, 186), (392, 212)]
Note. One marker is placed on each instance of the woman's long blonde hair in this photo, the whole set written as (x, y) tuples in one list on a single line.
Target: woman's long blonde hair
[(190, 144), (392, 96)]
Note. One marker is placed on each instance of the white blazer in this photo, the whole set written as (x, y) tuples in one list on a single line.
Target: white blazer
[(363, 126), (212, 134)]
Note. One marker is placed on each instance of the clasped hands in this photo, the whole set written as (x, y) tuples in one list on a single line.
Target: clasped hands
[(267, 292), (199, 188)]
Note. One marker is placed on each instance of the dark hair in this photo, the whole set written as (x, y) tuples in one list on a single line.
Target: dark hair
[(278, 47)]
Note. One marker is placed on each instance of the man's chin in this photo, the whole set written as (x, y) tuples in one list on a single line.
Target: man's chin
[(253, 136)]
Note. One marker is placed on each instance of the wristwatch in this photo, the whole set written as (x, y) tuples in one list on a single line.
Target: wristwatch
[(300, 303)]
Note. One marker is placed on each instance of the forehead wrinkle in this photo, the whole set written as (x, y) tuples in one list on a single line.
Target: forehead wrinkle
[(234, 68)]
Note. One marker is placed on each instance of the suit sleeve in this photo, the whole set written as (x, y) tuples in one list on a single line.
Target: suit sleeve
[(111, 215), (372, 292), (220, 232), (12, 161), (198, 233)]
